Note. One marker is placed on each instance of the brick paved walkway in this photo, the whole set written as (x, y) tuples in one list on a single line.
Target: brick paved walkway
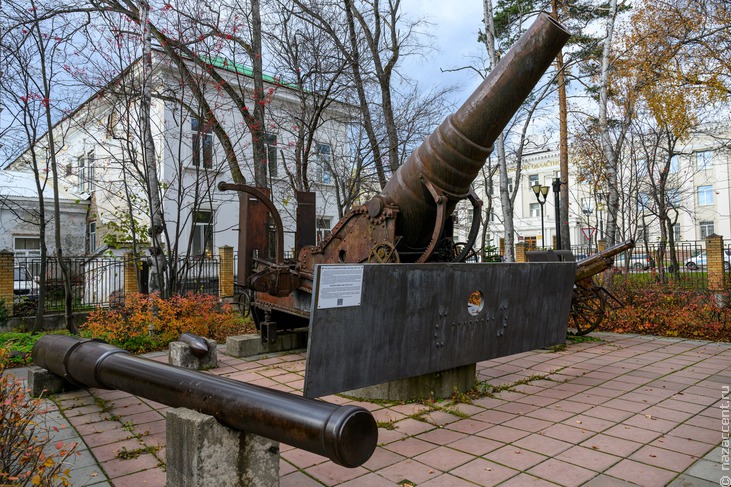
[(628, 410)]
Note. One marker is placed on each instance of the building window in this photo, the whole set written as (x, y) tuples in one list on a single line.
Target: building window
[(674, 164), (202, 143), (674, 197), (706, 229), (323, 228), (676, 232), (324, 158), (533, 180), (535, 210), (641, 168), (643, 201), (27, 246), (704, 160), (270, 148), (510, 185), (531, 243), (705, 195), (202, 233), (469, 215), (91, 236), (85, 172)]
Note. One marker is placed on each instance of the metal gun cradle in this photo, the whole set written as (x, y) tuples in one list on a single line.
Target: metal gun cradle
[(345, 434)]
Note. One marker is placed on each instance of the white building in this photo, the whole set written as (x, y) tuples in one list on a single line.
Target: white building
[(101, 157), (699, 187), (20, 216)]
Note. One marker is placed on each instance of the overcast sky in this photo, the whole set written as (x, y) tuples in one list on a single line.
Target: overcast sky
[(454, 27)]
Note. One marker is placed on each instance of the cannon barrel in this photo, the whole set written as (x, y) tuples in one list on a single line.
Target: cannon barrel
[(599, 262), (453, 155), (345, 434)]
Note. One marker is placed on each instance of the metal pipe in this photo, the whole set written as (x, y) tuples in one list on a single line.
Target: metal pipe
[(454, 153), (347, 435)]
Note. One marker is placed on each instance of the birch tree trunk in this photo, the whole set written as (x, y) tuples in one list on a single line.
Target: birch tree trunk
[(610, 154), (506, 202), (157, 222)]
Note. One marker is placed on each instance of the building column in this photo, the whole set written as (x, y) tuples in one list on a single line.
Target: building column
[(520, 252), (226, 271), (130, 274), (7, 260), (714, 262)]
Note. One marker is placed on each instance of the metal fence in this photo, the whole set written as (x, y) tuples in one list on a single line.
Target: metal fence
[(100, 281), (689, 269)]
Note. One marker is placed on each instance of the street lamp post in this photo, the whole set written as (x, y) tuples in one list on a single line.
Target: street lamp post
[(601, 200), (556, 191), (541, 191), (587, 211)]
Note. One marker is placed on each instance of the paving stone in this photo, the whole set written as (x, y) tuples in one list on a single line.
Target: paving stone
[(628, 408), (707, 470), (689, 481), (562, 473), (647, 474)]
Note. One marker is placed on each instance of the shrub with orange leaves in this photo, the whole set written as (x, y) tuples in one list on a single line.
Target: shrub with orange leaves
[(27, 456), (663, 310), (143, 323)]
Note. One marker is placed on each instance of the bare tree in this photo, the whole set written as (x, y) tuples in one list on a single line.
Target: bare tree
[(40, 38)]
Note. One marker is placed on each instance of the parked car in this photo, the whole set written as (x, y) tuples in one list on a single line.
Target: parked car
[(24, 284), (636, 261), (701, 260)]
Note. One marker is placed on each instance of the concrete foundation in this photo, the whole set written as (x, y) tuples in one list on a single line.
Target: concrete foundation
[(43, 383), (202, 453), (437, 385), (179, 354), (249, 345)]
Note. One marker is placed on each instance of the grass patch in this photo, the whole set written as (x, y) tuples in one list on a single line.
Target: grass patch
[(387, 425), (20, 344), (126, 454), (582, 339)]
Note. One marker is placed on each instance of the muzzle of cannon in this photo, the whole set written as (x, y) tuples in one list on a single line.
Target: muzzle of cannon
[(601, 261), (446, 164), (410, 220), (345, 434)]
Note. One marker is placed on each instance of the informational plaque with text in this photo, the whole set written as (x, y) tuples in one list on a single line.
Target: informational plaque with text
[(340, 286)]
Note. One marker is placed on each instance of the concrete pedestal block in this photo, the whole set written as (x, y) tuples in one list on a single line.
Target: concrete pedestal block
[(437, 385), (203, 453), (249, 345), (43, 382), (179, 354)]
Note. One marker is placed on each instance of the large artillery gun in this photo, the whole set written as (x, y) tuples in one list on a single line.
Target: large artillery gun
[(410, 221)]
